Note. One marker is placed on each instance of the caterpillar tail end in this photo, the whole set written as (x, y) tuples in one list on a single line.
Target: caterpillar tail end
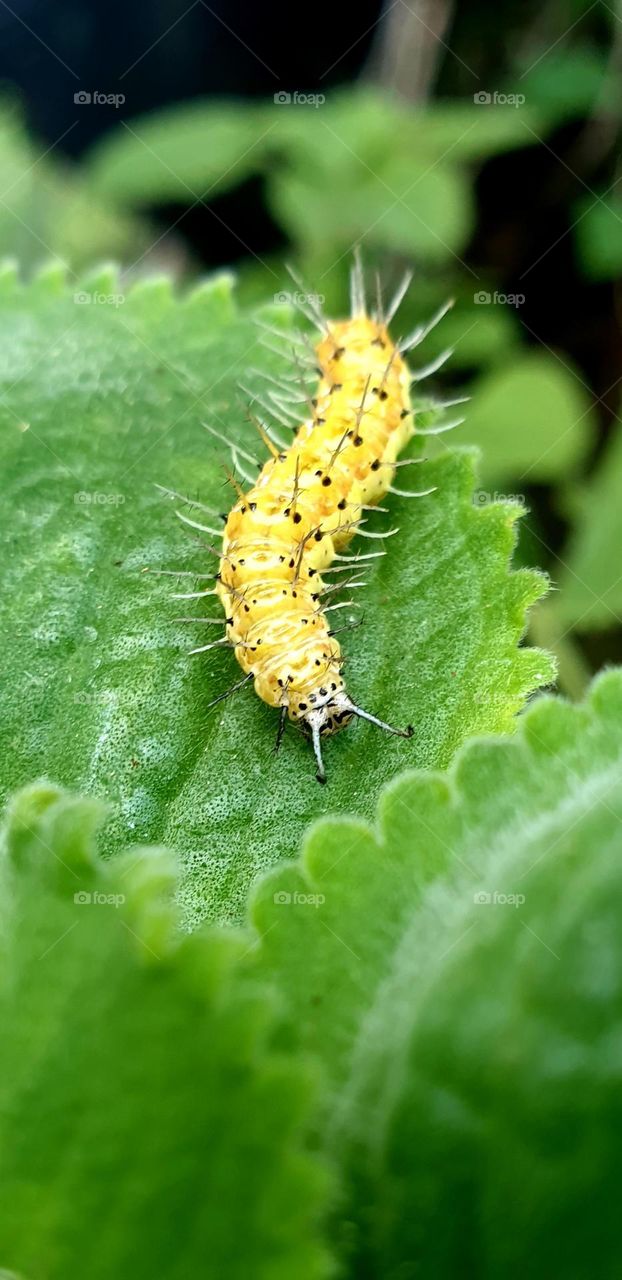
[(334, 715)]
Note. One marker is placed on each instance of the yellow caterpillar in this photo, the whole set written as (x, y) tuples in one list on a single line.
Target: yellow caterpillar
[(285, 532)]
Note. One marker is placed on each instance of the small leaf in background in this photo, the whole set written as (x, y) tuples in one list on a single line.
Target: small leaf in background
[(408, 207), (590, 575), (104, 393), (178, 154), (474, 130), (598, 234), (457, 970), (532, 420), (426, 213), (146, 1125), (565, 83)]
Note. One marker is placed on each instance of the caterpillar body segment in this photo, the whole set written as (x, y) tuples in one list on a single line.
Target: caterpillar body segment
[(301, 514)]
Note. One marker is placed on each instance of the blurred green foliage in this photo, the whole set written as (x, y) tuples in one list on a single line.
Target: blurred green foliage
[(599, 235), (360, 167), (546, 415), (46, 210), (358, 147), (591, 580)]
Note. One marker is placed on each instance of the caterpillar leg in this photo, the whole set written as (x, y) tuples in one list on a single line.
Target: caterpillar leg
[(227, 693), (281, 729)]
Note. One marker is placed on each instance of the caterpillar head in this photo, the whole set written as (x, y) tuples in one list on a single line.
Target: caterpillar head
[(334, 714)]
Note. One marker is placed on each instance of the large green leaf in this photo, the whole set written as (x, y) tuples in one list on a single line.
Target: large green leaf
[(100, 400), (590, 576), (147, 1126), (458, 970)]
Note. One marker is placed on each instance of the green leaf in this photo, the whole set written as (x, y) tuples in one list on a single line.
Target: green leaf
[(474, 130), (408, 207), (590, 596), (366, 122), (478, 335), (457, 970), (564, 83), (100, 400), (178, 154), (147, 1126), (532, 420), (598, 233)]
